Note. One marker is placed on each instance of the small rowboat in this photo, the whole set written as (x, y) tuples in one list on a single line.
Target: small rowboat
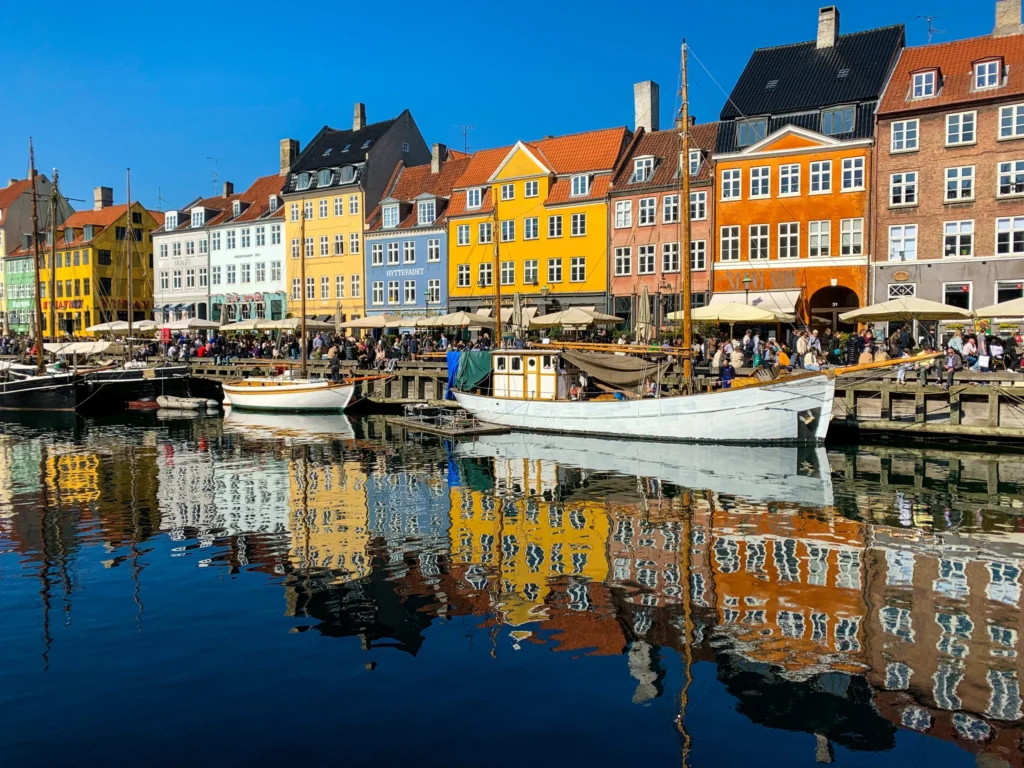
[(285, 394), (185, 403)]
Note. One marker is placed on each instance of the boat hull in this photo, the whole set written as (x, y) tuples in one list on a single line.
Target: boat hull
[(277, 395), (39, 393), (793, 410), (114, 388)]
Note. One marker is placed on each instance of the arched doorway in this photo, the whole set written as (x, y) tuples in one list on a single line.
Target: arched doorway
[(827, 304)]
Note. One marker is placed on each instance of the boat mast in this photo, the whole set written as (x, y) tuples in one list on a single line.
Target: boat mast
[(302, 286), (685, 289), (129, 235), (35, 253), (495, 237), (52, 320)]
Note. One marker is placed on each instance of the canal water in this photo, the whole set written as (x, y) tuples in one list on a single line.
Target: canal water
[(257, 589)]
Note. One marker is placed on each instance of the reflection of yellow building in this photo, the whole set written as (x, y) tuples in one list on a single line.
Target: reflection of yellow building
[(73, 478), (329, 518)]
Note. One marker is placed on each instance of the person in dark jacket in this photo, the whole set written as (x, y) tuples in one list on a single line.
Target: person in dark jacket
[(951, 363), (728, 373), (854, 346)]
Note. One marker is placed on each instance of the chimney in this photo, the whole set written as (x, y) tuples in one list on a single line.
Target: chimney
[(646, 105), (102, 197), (1007, 18), (438, 152), (359, 116), (11, 181), (289, 152), (828, 26), (229, 189)]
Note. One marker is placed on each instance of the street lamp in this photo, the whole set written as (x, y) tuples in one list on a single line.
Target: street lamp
[(544, 291), (746, 289)]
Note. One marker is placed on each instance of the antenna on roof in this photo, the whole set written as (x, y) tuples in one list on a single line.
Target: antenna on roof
[(215, 160), (932, 30), (464, 130), (160, 199)]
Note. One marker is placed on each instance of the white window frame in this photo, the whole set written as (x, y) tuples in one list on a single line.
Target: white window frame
[(789, 180), (670, 207), (394, 295), (474, 198), (1012, 116), (851, 237), (462, 234), (698, 255), (464, 276), (970, 292), (485, 233), (508, 191), (958, 230), (531, 272), (433, 250), (899, 233), (820, 173), (323, 208), (1015, 172), (1012, 224), (909, 132), (578, 225), (377, 254), (508, 230), (339, 244), (426, 212), (758, 242), (339, 206), (508, 273), (433, 290), (409, 292), (485, 274), (960, 118), (394, 253), (760, 182), (377, 293), (623, 214), (580, 185), (555, 225), (899, 186), (391, 218), (670, 263), (819, 236), (555, 269), (578, 269), (408, 251), (923, 85), (643, 167), (730, 233), (531, 189), (355, 286), (852, 167), (984, 70), (647, 211), (732, 184), (789, 240), (531, 228), (957, 174), (623, 261), (353, 205), (645, 259)]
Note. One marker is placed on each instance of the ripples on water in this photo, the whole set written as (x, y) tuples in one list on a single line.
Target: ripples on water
[(235, 592)]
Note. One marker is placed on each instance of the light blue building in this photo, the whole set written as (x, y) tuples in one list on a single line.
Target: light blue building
[(407, 239)]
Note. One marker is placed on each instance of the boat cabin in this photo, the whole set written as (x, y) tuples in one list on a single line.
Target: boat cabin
[(528, 375)]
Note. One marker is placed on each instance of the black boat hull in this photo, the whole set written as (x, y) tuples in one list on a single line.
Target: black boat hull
[(44, 393), (115, 388)]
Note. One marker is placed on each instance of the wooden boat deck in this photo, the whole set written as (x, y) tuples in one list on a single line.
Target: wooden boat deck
[(456, 429)]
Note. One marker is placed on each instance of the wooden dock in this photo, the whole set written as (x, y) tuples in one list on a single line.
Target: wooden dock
[(455, 431)]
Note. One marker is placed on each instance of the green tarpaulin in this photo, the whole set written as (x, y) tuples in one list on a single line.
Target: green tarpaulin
[(474, 367), (618, 370)]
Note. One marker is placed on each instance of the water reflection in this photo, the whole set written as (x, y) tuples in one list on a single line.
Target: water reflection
[(858, 596)]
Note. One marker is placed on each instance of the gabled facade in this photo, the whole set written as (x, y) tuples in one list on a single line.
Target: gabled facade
[(543, 206), (949, 201), (793, 173), (328, 190), (646, 220), (406, 258)]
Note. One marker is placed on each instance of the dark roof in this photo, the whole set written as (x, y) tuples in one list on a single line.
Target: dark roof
[(863, 126), (808, 77)]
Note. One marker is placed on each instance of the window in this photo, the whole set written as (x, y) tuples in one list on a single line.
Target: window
[(958, 238), (353, 205), (215, 237), (698, 255), (903, 188), (393, 292), (760, 182), (851, 237), (485, 233), (508, 191), (473, 197), (623, 261), (325, 287), (903, 137), (293, 213), (175, 250), (986, 75), (642, 169), (325, 246), (485, 275), (425, 212), (837, 121), (623, 214), (1011, 121), (819, 236), (532, 189), (409, 252), (409, 292), (508, 273), (190, 278), (960, 128), (176, 275), (789, 240), (433, 250), (339, 245), (670, 207), (1008, 290), (353, 244), (578, 269), (296, 288), (580, 185), (731, 184), (923, 84), (789, 180), (232, 274), (821, 176), (197, 218), (390, 216), (853, 173), (463, 275), (393, 253), (530, 272), (323, 208), (579, 225), (164, 281), (957, 295), (694, 161), (554, 270), (758, 241), (531, 228), (339, 206), (750, 131), (217, 274), (261, 237), (275, 271), (309, 247), (433, 291), (670, 257), (295, 247), (903, 242), (1011, 178), (646, 215), (230, 239), (508, 231), (645, 260), (730, 243), (554, 226), (307, 209), (162, 250), (960, 184)]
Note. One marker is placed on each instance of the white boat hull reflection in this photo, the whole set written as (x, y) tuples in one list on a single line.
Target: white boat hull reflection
[(288, 427), (795, 474)]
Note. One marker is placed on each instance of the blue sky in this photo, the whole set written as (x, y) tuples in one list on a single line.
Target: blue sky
[(103, 87)]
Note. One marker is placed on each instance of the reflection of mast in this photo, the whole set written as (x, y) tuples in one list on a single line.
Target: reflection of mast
[(136, 568), (685, 546), (44, 590)]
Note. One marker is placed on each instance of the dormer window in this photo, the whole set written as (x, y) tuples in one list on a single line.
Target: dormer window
[(751, 131), (390, 216), (303, 180), (69, 235), (694, 161), (323, 178), (348, 173), (197, 217), (580, 185), (327, 152), (367, 143), (924, 84), (987, 74), (426, 212), (272, 203), (837, 121), (88, 230), (473, 198), (171, 220), (236, 208), (643, 167)]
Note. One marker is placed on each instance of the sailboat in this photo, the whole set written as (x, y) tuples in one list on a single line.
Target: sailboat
[(533, 389)]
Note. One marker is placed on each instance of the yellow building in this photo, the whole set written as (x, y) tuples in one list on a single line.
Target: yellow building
[(91, 284), (330, 188), (543, 206)]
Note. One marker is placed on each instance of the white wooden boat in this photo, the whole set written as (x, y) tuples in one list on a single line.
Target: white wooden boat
[(186, 403), (528, 391), (284, 394)]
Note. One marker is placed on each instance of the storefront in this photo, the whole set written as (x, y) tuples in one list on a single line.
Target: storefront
[(234, 307)]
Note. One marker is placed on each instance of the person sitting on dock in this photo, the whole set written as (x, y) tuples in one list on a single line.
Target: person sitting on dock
[(951, 364), (901, 370)]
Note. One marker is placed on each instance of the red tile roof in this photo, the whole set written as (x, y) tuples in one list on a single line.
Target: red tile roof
[(954, 59), (559, 192), (12, 192), (457, 205), (100, 220), (409, 183), (481, 166), (258, 196), (665, 147)]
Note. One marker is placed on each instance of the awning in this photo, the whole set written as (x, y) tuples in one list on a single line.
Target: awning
[(780, 302)]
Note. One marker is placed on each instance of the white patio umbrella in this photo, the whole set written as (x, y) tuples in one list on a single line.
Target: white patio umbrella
[(906, 307), (241, 325), (191, 324), (121, 326), (370, 321), (575, 316), (1013, 308), (455, 320), (733, 313), (293, 324), (644, 328)]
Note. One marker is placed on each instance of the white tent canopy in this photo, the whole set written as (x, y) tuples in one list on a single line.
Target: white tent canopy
[(1010, 309), (85, 348), (376, 321), (904, 308), (287, 324), (191, 324), (779, 302), (241, 325), (455, 320), (733, 313), (121, 326), (575, 317)]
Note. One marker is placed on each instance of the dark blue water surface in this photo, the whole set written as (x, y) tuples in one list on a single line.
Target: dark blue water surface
[(257, 590)]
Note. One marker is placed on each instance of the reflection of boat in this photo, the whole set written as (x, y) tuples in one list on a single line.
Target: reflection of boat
[(783, 473), (291, 427), (266, 394)]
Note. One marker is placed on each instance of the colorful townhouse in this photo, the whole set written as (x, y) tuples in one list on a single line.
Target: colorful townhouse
[(406, 258), (328, 190), (793, 168), (949, 199), (646, 218), (542, 206)]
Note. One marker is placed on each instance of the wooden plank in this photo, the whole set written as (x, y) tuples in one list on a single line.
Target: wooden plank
[(954, 407)]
